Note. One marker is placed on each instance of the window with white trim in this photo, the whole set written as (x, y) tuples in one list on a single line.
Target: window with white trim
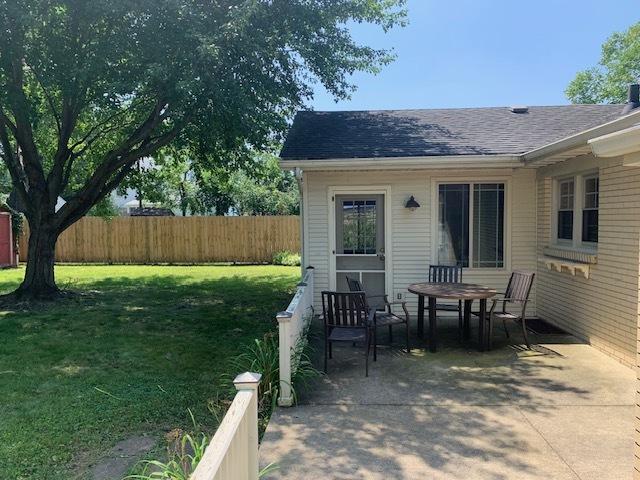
[(471, 220), (565, 209), (576, 211), (590, 209)]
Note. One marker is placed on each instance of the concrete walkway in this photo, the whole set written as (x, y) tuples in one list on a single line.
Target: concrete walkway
[(562, 411)]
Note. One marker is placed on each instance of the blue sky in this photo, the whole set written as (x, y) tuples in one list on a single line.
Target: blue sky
[(465, 53)]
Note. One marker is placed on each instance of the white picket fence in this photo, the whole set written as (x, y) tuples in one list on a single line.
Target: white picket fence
[(291, 324), (233, 451)]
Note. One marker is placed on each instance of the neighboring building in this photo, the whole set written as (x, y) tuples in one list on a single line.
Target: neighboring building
[(151, 212)]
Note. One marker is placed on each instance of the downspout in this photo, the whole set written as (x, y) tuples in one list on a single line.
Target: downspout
[(299, 181)]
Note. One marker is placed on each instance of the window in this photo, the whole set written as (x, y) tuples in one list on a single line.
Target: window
[(471, 225), (590, 209), (576, 211), (488, 225), (565, 209), (359, 226)]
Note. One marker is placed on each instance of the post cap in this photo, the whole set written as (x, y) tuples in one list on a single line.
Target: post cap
[(247, 378), (284, 314)]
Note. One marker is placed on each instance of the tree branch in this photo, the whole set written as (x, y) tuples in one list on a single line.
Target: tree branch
[(18, 177), (23, 130)]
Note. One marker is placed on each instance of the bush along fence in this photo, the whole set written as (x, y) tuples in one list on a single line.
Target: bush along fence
[(149, 240), (293, 324), (233, 451)]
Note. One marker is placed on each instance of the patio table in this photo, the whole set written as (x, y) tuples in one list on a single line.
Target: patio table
[(467, 292)]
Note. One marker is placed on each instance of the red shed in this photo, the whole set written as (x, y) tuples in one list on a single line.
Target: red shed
[(7, 255)]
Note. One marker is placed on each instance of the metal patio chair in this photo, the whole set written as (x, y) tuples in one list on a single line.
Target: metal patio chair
[(517, 292), (347, 319), (383, 317)]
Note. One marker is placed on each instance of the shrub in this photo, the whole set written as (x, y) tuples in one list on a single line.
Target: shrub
[(286, 258)]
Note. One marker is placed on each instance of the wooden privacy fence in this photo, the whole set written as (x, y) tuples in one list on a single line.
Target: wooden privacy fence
[(145, 240)]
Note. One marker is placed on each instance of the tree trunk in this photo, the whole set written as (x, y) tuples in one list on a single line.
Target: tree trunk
[(39, 280)]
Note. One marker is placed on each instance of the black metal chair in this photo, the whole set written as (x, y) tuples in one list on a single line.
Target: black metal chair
[(347, 319), (447, 274), (383, 317), (517, 292)]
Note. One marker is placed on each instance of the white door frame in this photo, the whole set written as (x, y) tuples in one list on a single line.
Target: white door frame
[(384, 190)]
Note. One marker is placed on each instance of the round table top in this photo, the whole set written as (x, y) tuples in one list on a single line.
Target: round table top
[(453, 291)]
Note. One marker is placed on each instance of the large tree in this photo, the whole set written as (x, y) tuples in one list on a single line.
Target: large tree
[(89, 87), (618, 67)]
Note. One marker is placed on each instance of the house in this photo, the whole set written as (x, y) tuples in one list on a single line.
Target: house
[(550, 189)]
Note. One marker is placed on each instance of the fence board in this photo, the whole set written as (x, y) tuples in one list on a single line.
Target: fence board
[(175, 239)]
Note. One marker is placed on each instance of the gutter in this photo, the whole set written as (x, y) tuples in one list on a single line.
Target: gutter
[(387, 163), (618, 143)]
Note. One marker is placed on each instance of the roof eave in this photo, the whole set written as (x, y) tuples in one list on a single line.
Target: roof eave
[(581, 138), (422, 162)]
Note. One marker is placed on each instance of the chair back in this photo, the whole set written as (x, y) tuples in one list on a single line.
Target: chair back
[(344, 309), (445, 274), (519, 286), (354, 285)]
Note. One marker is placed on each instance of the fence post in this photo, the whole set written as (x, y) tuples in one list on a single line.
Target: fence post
[(249, 382), (284, 345)]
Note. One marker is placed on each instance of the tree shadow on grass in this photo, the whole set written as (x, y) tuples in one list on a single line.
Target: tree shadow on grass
[(128, 356)]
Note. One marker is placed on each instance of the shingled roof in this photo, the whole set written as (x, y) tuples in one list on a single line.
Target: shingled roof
[(437, 132)]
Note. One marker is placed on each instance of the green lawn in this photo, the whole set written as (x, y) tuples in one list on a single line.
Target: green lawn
[(130, 356)]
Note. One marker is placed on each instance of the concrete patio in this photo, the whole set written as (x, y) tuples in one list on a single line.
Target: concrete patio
[(561, 411)]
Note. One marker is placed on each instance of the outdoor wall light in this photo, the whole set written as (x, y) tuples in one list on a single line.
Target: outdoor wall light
[(412, 204)]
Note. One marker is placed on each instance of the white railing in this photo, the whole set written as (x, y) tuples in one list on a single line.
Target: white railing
[(291, 324), (233, 451)]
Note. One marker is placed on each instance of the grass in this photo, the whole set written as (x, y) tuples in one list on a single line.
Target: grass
[(136, 352)]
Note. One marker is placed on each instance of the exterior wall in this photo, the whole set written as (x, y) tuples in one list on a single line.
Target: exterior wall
[(412, 243), (602, 309)]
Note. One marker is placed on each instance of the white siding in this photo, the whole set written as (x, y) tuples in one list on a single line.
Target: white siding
[(602, 309), (412, 240)]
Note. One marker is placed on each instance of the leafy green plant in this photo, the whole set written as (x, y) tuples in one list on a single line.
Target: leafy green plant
[(286, 258), (184, 455)]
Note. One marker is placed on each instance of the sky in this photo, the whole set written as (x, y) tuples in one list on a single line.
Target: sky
[(465, 53)]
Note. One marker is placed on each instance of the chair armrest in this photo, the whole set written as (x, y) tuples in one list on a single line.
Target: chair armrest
[(371, 318), (402, 303)]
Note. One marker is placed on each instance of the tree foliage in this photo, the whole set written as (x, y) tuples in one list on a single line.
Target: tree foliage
[(618, 67), (87, 88)]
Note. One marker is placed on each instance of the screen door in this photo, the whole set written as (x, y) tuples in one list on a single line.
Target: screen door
[(360, 243)]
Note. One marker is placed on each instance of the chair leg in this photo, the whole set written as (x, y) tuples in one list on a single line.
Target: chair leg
[(407, 330), (375, 345), (366, 359), (330, 350), (390, 335), (506, 330), (490, 339), (326, 349), (524, 333), (460, 325)]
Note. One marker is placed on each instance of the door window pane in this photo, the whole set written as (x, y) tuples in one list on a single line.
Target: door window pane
[(565, 209), (488, 225), (590, 210), (453, 224), (359, 226)]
